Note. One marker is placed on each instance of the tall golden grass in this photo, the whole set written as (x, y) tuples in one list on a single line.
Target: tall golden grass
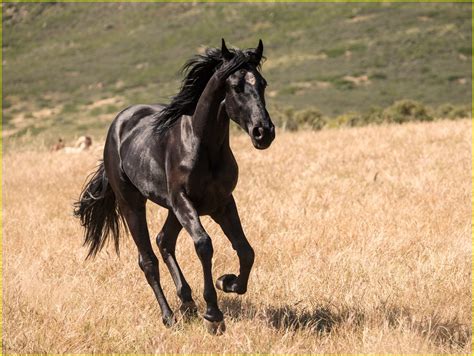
[(362, 237)]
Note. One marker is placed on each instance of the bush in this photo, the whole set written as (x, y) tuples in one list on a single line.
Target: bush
[(284, 118), (400, 112), (452, 112), (405, 111), (310, 118), (374, 116), (291, 120), (345, 120)]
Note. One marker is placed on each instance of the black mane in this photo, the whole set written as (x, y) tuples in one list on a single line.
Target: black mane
[(198, 71)]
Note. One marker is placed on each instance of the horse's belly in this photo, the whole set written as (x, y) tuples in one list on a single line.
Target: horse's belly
[(149, 178)]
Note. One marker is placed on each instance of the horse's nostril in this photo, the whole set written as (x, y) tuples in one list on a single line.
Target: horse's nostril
[(257, 133)]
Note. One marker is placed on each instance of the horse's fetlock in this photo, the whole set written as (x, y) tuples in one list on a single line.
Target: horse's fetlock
[(213, 313), (184, 293), (241, 290), (247, 256)]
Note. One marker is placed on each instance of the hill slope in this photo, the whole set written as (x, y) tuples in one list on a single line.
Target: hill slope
[(60, 59)]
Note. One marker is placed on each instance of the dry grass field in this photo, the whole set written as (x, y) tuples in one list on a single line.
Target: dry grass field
[(362, 237)]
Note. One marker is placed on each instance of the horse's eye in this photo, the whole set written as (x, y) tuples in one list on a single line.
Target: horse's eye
[(236, 86)]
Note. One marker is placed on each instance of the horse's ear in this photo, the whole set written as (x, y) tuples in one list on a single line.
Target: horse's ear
[(259, 51), (225, 52)]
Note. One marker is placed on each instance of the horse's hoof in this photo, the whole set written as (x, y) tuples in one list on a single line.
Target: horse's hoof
[(215, 327), (188, 310), (169, 321), (225, 282), (228, 283)]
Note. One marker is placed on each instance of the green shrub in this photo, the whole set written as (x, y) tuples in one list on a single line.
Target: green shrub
[(405, 111), (452, 112), (284, 118), (346, 120), (310, 118), (461, 112), (374, 116), (399, 112)]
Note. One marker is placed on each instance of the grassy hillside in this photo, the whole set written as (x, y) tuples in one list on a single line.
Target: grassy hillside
[(61, 61)]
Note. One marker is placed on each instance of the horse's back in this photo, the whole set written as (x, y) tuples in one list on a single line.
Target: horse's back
[(131, 117)]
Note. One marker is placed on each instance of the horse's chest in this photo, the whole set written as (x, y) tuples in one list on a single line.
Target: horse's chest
[(215, 184)]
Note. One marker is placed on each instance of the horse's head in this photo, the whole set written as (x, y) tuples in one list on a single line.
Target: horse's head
[(245, 98)]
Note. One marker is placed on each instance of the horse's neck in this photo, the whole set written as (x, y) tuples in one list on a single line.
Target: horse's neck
[(210, 124), (212, 131)]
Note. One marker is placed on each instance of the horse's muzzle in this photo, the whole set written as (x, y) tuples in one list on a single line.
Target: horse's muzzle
[(262, 136)]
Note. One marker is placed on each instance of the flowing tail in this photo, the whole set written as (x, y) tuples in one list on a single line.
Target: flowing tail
[(99, 213)]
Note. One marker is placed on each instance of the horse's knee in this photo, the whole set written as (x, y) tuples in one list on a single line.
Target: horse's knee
[(203, 247)]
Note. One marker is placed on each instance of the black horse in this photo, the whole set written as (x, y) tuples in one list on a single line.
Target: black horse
[(178, 156)]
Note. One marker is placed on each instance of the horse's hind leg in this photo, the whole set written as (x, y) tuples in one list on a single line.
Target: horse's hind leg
[(228, 219), (136, 220), (166, 241)]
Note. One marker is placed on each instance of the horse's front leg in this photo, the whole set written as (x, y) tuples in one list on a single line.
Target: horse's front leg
[(228, 219), (189, 219)]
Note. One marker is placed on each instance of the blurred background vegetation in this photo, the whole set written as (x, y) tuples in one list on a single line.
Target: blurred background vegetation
[(69, 68)]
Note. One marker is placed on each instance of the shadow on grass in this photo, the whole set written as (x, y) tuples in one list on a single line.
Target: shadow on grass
[(290, 318), (323, 320), (432, 327)]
